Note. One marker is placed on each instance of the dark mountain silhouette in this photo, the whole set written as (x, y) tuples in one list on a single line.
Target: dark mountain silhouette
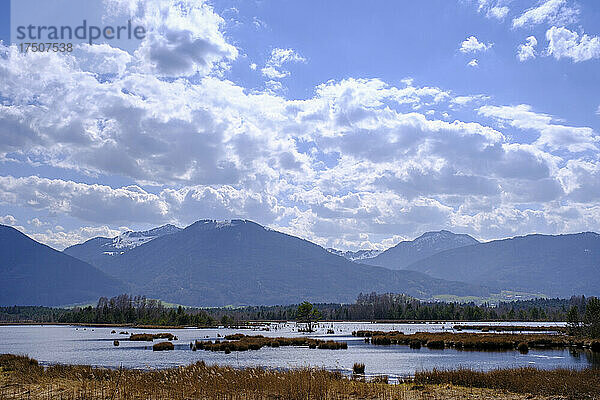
[(560, 265), (428, 244), (35, 274)]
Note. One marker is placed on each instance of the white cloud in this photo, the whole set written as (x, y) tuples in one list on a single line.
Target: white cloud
[(498, 12), (581, 180), (552, 136), (97, 203), (132, 204), (558, 12), (258, 23), (183, 37), (527, 50), (568, 44), (473, 63), (278, 58), (464, 100), (473, 45), (8, 220), (36, 222), (11, 221), (59, 239), (355, 164), (407, 173), (494, 9), (102, 59)]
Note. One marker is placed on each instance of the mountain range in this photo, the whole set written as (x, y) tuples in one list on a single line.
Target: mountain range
[(100, 250), (555, 265), (239, 262)]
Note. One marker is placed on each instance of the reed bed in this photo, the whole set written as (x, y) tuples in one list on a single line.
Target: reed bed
[(197, 381), (22, 378), (148, 337), (240, 342), (511, 328), (475, 341), (574, 384), (163, 346), (358, 368)]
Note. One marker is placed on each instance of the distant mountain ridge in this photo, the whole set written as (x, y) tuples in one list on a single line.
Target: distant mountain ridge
[(407, 252), (556, 265), (238, 262), (355, 255), (35, 274), (131, 239), (97, 250)]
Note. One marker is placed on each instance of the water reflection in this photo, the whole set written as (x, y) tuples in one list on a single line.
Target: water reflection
[(592, 358)]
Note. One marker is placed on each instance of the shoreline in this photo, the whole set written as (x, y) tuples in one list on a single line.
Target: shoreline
[(263, 322)]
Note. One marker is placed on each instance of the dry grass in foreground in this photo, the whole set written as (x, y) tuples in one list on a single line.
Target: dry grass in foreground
[(22, 378), (573, 384)]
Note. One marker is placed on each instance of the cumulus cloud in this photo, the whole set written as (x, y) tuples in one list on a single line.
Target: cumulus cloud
[(102, 59), (8, 220), (473, 63), (564, 43), (183, 37), (97, 203), (359, 163), (552, 136), (279, 57), (498, 12), (132, 204), (473, 45), (11, 221), (494, 9), (527, 50), (36, 222), (137, 126), (559, 12), (581, 180), (59, 239)]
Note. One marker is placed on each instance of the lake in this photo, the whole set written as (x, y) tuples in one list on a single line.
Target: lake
[(51, 344)]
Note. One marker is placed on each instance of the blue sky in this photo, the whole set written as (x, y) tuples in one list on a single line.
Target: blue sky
[(420, 40), (353, 125)]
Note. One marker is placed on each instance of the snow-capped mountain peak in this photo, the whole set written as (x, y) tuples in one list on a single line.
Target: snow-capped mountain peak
[(131, 239), (429, 243), (355, 255), (442, 238)]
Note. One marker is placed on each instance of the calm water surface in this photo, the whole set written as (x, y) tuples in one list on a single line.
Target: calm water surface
[(94, 346)]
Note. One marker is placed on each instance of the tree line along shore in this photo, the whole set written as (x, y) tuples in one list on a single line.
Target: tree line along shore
[(138, 310)]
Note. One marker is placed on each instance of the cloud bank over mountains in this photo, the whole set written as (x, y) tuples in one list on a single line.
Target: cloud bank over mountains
[(162, 135)]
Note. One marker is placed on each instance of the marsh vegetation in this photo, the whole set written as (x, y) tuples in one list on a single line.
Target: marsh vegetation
[(240, 342), (23, 378), (149, 337), (477, 341)]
